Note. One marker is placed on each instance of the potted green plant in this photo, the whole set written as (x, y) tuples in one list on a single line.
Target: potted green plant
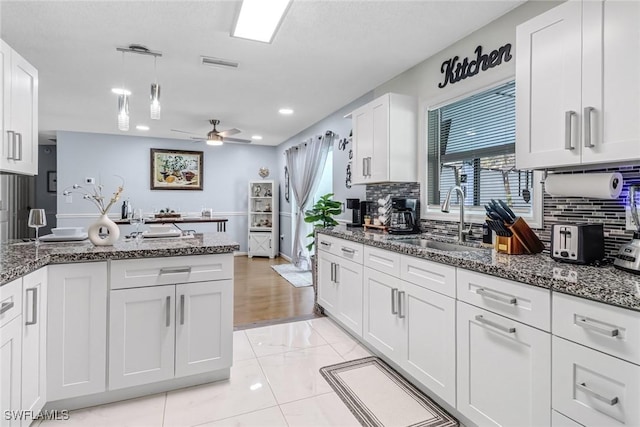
[(321, 215)]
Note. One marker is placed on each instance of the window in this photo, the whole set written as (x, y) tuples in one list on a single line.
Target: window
[(471, 143)]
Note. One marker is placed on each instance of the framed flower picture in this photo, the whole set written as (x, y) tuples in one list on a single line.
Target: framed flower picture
[(176, 169)]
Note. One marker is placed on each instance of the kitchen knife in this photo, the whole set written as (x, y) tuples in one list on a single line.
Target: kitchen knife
[(503, 214), (507, 208)]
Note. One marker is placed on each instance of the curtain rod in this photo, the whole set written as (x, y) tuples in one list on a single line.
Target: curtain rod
[(304, 144)]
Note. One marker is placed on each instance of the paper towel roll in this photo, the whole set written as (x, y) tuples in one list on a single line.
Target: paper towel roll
[(593, 185)]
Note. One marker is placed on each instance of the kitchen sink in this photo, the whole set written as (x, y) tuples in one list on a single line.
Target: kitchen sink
[(441, 246)]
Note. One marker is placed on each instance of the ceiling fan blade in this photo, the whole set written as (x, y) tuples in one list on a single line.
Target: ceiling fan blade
[(184, 131), (229, 132), (196, 139), (244, 141)]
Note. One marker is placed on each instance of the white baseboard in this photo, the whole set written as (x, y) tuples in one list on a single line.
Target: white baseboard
[(288, 258), (238, 253)]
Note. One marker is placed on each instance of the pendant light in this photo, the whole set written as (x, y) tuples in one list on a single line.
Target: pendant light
[(154, 107), (123, 105)]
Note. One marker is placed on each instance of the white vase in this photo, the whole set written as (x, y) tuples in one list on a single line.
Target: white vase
[(112, 229)]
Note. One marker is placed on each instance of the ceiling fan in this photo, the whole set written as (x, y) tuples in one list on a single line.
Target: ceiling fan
[(216, 137)]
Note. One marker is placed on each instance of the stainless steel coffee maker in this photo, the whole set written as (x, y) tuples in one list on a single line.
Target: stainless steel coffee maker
[(404, 216)]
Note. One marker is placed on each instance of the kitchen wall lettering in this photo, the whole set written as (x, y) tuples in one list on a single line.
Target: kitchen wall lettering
[(455, 71)]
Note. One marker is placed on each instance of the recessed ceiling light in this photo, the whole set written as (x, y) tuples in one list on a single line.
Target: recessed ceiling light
[(256, 137), (285, 111), (259, 19), (120, 91), (142, 127)]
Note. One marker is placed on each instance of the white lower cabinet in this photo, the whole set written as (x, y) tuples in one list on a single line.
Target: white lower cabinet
[(340, 289), (504, 370), (34, 340), (261, 244), (76, 329), (141, 336), (593, 388), (10, 351), (382, 327), (163, 332)]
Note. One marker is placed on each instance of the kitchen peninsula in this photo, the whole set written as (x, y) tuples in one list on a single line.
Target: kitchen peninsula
[(84, 325)]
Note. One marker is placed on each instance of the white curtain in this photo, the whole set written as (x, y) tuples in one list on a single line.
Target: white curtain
[(305, 163)]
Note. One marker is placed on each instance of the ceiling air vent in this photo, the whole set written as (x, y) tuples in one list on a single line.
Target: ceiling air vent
[(217, 62)]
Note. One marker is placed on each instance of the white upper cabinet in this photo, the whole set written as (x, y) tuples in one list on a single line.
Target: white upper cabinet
[(384, 140), (19, 111), (578, 85)]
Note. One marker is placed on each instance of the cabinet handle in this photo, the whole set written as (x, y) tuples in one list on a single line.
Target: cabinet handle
[(6, 306), (401, 314), (168, 312), (609, 401), (34, 306), (364, 166), (507, 300), (509, 330), (583, 322), (587, 127), (11, 144), (368, 166), (175, 270), (394, 293), (348, 251), (323, 243), (568, 143), (336, 274), (182, 309), (269, 243), (19, 138)]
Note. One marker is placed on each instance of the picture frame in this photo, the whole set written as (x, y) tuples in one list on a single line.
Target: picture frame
[(52, 181), (176, 169)]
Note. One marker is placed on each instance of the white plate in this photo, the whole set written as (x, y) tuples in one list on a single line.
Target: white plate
[(54, 238), (172, 233)]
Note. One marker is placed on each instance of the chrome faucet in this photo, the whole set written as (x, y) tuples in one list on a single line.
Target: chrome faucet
[(462, 233)]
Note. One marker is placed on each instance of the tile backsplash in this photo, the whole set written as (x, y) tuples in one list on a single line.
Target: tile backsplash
[(611, 213)]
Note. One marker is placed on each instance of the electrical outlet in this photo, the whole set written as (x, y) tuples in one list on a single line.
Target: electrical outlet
[(89, 180), (629, 223)]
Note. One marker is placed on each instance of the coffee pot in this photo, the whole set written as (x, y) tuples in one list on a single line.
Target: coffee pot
[(404, 216)]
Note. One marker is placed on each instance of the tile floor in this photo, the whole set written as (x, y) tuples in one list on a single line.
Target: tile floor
[(275, 381)]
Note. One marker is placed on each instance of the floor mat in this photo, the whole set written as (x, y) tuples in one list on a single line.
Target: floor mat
[(378, 396), (294, 275)]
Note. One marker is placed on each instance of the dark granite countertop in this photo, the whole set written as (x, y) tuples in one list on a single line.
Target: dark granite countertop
[(603, 284), (20, 258)]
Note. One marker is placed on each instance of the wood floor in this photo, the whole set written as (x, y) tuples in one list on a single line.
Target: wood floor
[(262, 296)]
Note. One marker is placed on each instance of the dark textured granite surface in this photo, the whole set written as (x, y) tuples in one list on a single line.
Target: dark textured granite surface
[(18, 259), (603, 284)]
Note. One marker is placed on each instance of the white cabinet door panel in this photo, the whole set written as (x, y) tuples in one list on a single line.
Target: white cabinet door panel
[(379, 162), (327, 288), (203, 318), (10, 369), (504, 378), (34, 340), (362, 144), (382, 328), (76, 330), (429, 353), (141, 336), (349, 286)]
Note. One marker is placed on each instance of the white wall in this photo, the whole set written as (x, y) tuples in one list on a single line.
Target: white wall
[(227, 170), (338, 124)]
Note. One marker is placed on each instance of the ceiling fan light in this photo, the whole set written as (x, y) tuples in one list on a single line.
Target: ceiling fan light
[(123, 112), (155, 101), (213, 138), (214, 142)]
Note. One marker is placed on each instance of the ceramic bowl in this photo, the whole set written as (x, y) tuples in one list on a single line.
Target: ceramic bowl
[(66, 231)]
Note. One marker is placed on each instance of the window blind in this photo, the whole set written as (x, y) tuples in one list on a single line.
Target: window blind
[(471, 143)]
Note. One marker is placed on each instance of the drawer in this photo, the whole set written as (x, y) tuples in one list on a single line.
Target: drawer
[(430, 275), (382, 260), (343, 248), (138, 273), (593, 388), (10, 301), (604, 327), (518, 301)]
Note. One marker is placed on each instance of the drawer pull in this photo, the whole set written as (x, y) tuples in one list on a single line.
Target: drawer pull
[(348, 251), (6, 306), (401, 294), (609, 401), (182, 309), (394, 293), (507, 300), (175, 270), (168, 312), (326, 244), (584, 323), (507, 329)]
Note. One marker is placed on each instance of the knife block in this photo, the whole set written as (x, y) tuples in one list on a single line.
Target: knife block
[(526, 237), (509, 245)]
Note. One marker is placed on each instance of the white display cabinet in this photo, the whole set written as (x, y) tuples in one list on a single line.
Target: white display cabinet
[(263, 218)]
